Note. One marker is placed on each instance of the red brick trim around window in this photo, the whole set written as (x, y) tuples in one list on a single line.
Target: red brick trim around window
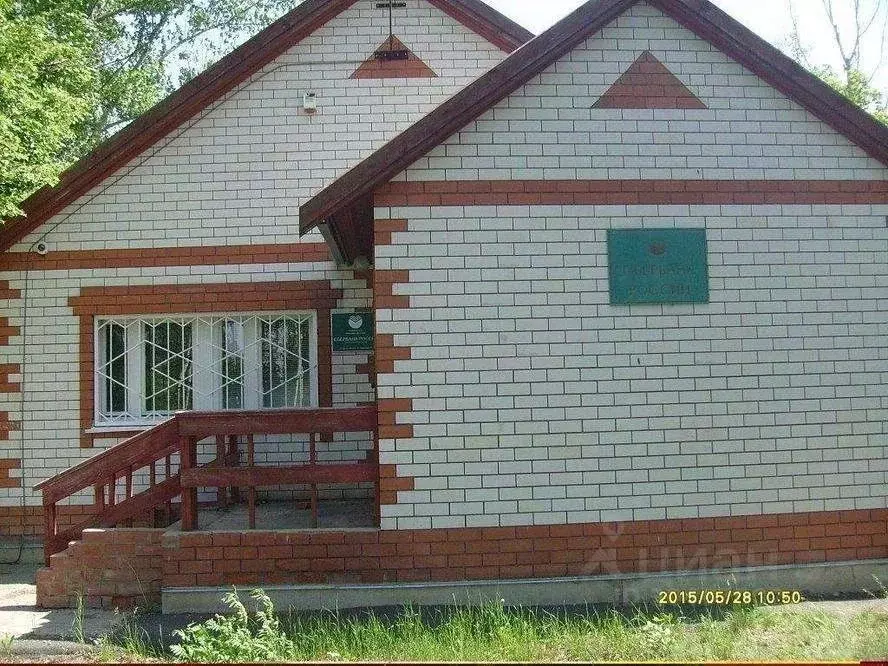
[(629, 192), (316, 295), (373, 556)]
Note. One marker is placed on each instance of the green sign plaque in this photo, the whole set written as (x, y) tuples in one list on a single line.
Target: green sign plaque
[(657, 266), (352, 331)]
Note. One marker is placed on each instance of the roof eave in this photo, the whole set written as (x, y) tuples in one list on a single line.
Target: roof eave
[(496, 28), (780, 71), (700, 16), (202, 91), (459, 111)]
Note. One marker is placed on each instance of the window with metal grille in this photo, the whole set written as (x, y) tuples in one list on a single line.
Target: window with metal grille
[(150, 367)]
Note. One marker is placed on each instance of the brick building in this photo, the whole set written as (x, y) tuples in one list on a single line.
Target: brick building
[(629, 290)]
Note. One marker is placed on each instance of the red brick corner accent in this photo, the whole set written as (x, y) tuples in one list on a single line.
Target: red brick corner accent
[(6, 384), (377, 68), (8, 331), (6, 479), (383, 289), (389, 481), (386, 353), (114, 568), (648, 84), (7, 293), (319, 295)]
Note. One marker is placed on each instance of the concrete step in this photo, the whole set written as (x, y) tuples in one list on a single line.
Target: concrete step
[(814, 581)]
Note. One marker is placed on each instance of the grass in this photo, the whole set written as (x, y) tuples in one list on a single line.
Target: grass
[(130, 642), (499, 633)]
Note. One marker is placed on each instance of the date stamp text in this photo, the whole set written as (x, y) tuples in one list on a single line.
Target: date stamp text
[(729, 597)]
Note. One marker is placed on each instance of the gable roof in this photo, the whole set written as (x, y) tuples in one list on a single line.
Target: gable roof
[(213, 84), (700, 16)]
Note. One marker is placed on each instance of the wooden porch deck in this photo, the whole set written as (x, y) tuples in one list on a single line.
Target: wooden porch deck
[(167, 456)]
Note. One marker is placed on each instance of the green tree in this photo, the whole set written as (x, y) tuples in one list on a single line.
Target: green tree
[(72, 72), (851, 23), (47, 89), (147, 48), (858, 88)]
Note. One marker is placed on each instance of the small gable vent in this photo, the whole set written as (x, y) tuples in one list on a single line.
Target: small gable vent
[(393, 60)]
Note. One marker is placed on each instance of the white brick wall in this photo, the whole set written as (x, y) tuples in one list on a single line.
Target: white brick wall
[(548, 129), (234, 175), (239, 172), (536, 401)]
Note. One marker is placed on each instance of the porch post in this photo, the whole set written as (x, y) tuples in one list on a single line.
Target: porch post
[(188, 453)]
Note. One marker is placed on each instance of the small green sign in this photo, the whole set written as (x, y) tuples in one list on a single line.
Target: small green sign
[(657, 266), (352, 331)]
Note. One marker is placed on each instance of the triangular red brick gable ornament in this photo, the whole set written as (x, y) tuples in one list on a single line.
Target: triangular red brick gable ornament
[(388, 63), (648, 84)]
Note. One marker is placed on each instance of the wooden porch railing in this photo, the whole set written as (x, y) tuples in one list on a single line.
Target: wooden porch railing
[(166, 457)]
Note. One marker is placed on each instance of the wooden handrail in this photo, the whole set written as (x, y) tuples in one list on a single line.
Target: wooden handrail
[(180, 435), (137, 450), (265, 477), (277, 422), (142, 446)]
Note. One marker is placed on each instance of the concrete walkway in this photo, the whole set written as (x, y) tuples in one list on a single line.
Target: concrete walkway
[(20, 618)]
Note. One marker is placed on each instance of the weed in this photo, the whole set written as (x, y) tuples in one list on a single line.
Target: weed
[(881, 591), (6, 642), (238, 637), (135, 639), (77, 624), (658, 634)]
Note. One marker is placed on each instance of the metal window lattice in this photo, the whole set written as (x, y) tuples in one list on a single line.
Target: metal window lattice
[(148, 368)]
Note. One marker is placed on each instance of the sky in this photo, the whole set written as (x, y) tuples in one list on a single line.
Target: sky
[(770, 19)]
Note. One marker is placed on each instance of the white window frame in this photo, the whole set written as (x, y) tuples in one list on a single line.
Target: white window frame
[(202, 378)]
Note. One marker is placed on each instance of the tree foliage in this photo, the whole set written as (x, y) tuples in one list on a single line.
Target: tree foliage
[(47, 88), (858, 89), (72, 72), (851, 23), (144, 49)]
